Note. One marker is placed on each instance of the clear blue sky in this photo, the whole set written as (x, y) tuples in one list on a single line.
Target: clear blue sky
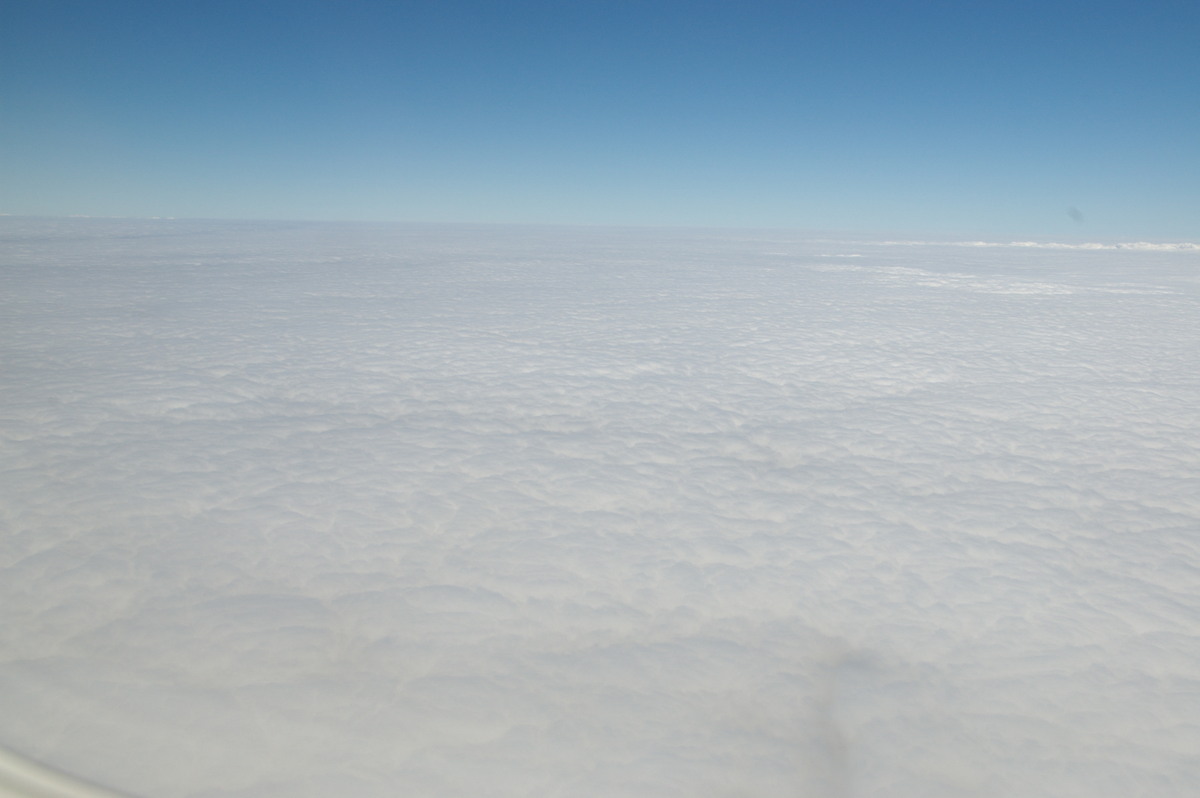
[(1009, 118)]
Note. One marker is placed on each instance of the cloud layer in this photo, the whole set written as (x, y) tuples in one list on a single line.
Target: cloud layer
[(1144, 246), (305, 510)]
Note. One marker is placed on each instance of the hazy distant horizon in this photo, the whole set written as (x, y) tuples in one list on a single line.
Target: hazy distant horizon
[(866, 236)]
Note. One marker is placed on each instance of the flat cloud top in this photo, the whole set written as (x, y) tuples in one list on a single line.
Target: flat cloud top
[(1147, 246), (311, 510)]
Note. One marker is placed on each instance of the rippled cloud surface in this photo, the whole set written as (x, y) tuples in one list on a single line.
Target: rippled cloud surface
[(305, 510)]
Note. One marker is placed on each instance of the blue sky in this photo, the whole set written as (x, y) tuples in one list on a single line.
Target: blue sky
[(956, 118)]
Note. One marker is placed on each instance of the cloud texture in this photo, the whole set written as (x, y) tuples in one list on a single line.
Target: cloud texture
[(312, 510)]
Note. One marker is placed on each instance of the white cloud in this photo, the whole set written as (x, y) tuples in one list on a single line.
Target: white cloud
[(1145, 246), (311, 510)]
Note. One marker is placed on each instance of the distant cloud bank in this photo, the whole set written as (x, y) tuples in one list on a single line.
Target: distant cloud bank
[(1143, 246)]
